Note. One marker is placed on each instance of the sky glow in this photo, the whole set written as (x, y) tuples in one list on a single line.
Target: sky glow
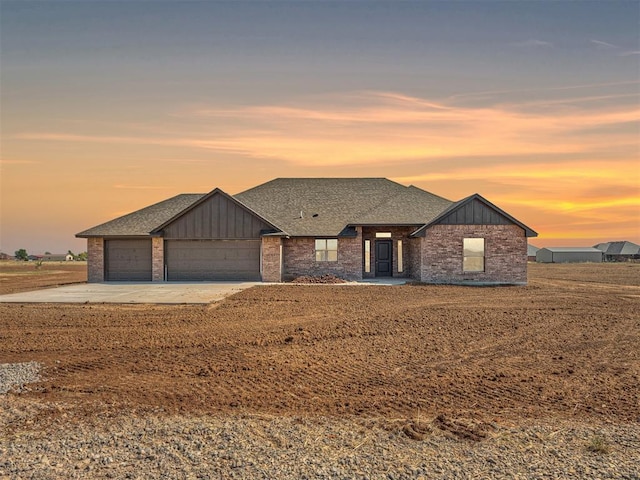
[(110, 106)]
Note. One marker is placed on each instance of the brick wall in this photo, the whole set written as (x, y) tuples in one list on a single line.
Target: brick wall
[(271, 261), (300, 258), (505, 254), (157, 259), (95, 259), (414, 258), (397, 233)]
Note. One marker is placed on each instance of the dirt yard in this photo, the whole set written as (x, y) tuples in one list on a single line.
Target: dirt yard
[(566, 345), (25, 276), (565, 348)]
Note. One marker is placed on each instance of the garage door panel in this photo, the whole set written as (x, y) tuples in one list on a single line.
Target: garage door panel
[(128, 260), (213, 260)]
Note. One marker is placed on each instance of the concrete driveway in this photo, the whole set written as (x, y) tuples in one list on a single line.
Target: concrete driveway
[(131, 292)]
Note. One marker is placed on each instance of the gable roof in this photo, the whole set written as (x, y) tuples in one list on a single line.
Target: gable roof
[(316, 207), (204, 198), (324, 206), (141, 222), (466, 201), (619, 248)]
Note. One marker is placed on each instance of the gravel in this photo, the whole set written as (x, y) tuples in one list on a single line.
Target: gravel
[(14, 376), (134, 444)]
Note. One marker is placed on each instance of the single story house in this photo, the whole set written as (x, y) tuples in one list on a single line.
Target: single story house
[(354, 228), (569, 255), (57, 257), (622, 251)]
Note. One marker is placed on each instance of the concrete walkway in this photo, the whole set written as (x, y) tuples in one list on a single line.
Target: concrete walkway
[(130, 292)]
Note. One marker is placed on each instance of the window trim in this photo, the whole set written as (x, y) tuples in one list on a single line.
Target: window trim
[(400, 263), (367, 256), (323, 252), (468, 253)]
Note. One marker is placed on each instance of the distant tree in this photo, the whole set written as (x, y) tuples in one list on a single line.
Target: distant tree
[(81, 257), (47, 253), (22, 255)]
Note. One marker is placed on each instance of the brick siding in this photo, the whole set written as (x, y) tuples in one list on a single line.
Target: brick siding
[(157, 259), (397, 233), (505, 254), (95, 259), (271, 261), (300, 258)]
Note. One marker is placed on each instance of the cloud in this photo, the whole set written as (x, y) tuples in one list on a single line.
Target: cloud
[(603, 45), (367, 128), (532, 42), (629, 53)]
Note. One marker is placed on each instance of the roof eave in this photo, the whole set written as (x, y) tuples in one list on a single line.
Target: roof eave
[(422, 230), (216, 191)]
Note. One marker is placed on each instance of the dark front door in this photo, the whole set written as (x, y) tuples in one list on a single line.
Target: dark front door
[(384, 258)]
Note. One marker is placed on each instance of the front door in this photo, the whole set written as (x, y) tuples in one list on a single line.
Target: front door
[(384, 258)]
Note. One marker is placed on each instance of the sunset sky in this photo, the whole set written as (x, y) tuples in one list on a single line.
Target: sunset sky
[(109, 106)]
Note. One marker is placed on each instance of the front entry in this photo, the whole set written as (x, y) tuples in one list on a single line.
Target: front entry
[(384, 258)]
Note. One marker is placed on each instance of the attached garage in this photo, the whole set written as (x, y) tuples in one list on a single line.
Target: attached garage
[(127, 260), (212, 260)]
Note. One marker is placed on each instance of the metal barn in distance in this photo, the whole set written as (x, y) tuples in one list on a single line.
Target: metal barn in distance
[(569, 255), (622, 251)]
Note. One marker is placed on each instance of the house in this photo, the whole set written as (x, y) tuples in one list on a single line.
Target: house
[(619, 251), (57, 257), (568, 255), (354, 228), (531, 252)]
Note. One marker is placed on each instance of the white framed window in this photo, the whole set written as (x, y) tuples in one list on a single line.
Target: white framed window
[(383, 234), (473, 255), (400, 265), (367, 256), (327, 250)]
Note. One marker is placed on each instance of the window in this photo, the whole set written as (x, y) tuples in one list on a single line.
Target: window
[(473, 252), (383, 234), (367, 256), (327, 250), (400, 256)]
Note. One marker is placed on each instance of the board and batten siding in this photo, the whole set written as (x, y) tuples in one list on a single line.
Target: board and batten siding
[(475, 213), (217, 218)]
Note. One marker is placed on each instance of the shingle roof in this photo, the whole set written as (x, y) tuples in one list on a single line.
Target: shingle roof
[(303, 207), (141, 222), (619, 248), (324, 206)]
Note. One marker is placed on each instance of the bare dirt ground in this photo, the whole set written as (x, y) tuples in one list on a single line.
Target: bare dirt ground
[(566, 345), (25, 276), (565, 348)]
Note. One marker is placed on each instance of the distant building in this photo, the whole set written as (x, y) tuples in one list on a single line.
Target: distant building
[(531, 252), (619, 251), (57, 257), (569, 255), (6, 256)]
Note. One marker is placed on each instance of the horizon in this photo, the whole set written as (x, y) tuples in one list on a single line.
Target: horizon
[(108, 107)]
